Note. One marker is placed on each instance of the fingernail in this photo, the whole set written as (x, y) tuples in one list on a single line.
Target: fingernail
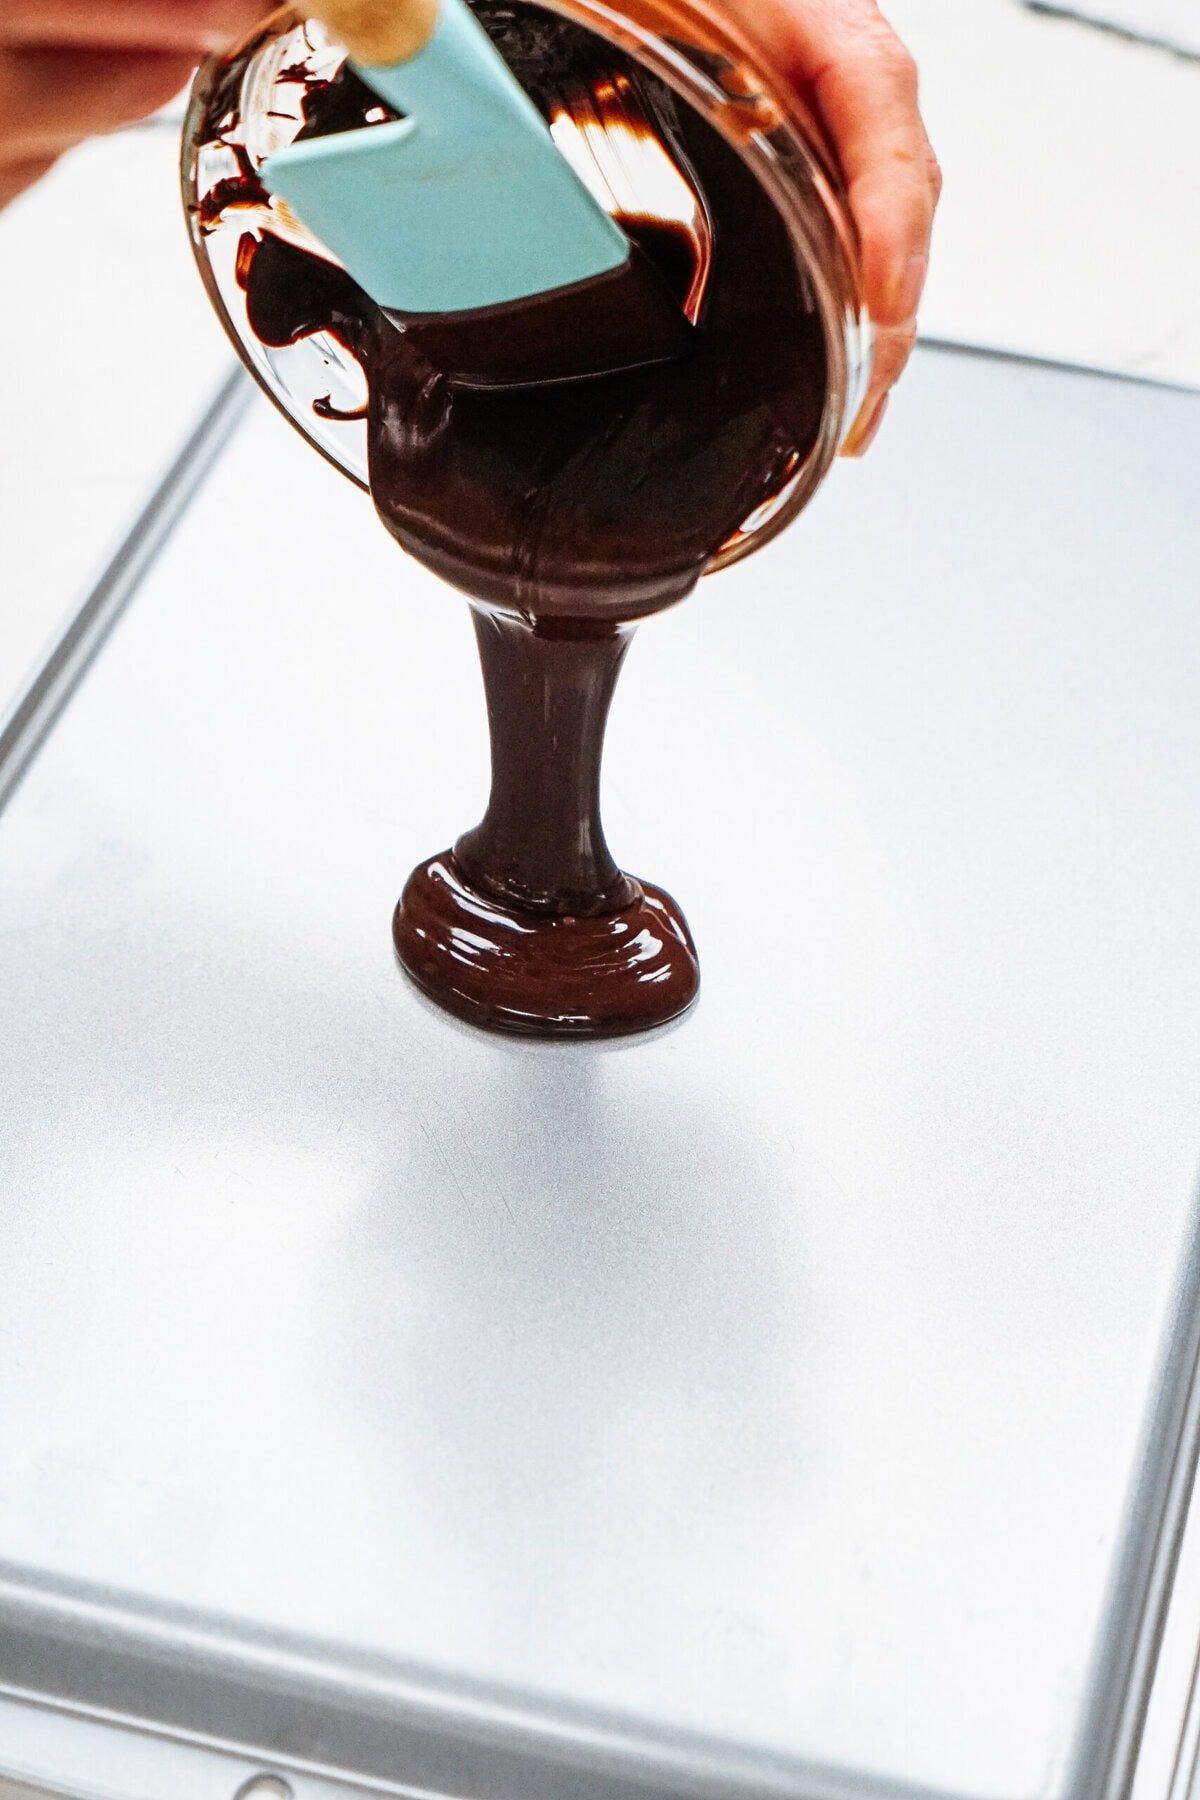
[(865, 428), (906, 291)]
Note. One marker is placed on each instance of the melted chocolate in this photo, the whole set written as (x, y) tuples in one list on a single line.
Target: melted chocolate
[(565, 512), (513, 971)]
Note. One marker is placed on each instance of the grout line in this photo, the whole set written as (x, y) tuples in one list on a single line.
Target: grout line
[(26, 725), (1061, 9), (963, 346)]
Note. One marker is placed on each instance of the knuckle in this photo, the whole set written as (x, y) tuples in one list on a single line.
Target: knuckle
[(871, 48), (904, 64), (886, 48)]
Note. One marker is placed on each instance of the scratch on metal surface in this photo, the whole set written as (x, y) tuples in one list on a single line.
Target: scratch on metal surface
[(489, 1187), (439, 1151)]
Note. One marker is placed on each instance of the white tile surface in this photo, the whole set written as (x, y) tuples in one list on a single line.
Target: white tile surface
[(110, 352), (1070, 226)]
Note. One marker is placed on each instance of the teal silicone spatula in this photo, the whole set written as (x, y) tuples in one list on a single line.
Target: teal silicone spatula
[(465, 207)]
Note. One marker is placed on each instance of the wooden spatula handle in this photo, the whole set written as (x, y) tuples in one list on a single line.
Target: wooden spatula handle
[(379, 32)]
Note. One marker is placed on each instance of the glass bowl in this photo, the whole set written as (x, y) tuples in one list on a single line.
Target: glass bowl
[(245, 104)]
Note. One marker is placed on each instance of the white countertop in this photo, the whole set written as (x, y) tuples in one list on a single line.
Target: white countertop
[(111, 351), (1070, 225)]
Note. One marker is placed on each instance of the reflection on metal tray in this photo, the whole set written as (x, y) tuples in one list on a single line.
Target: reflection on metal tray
[(796, 1403)]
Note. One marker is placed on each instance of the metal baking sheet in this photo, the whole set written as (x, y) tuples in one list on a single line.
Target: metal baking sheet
[(799, 1402)]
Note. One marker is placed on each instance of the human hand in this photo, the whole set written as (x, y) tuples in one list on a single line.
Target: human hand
[(843, 58), (71, 68)]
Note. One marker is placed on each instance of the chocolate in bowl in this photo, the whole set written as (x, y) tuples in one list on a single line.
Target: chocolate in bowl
[(566, 511)]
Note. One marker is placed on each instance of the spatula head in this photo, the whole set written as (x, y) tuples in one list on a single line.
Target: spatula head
[(465, 202), (426, 225)]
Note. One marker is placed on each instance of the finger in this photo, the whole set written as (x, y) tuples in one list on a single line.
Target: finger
[(866, 428), (864, 83), (194, 25), (869, 100), (50, 99), (16, 176), (894, 344)]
